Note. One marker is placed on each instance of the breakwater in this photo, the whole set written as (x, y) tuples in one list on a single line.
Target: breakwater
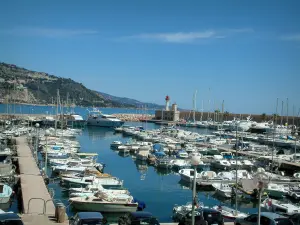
[(133, 117)]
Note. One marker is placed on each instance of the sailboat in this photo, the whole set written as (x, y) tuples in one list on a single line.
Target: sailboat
[(228, 212)]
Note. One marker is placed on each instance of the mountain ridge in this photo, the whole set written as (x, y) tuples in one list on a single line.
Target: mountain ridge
[(21, 85)]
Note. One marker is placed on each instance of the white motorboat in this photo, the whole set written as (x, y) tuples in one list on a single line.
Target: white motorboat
[(230, 213), (222, 164), (180, 211), (203, 178), (223, 190), (5, 193), (92, 180), (76, 167), (97, 118), (123, 148), (277, 206), (247, 164), (180, 163), (104, 202), (142, 155), (235, 163), (92, 189), (294, 192), (115, 144), (277, 190)]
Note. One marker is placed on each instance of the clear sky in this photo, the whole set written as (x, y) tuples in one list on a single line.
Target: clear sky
[(246, 52)]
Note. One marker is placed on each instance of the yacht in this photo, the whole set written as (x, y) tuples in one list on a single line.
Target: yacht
[(97, 118), (223, 190), (105, 202)]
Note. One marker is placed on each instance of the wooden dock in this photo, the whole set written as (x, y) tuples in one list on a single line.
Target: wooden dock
[(35, 196)]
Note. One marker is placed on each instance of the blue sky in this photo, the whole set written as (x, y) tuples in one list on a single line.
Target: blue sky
[(246, 52)]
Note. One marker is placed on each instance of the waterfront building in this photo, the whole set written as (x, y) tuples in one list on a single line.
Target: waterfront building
[(167, 114)]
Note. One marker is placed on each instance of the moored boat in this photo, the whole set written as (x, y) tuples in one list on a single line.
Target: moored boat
[(103, 202)]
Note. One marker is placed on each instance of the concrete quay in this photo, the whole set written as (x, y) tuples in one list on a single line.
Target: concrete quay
[(38, 207)]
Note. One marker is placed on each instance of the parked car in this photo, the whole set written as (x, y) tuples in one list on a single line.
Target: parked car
[(295, 218), (87, 218), (212, 216), (10, 219), (266, 218), (137, 218)]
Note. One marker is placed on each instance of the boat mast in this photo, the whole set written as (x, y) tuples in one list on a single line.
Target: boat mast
[(194, 106), (57, 102), (274, 127), (208, 114), (236, 173), (293, 116), (201, 111), (222, 111), (281, 115), (287, 111)]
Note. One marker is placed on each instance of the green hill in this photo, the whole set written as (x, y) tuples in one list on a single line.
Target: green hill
[(26, 86)]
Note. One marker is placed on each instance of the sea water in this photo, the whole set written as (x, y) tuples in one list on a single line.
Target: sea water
[(159, 189)]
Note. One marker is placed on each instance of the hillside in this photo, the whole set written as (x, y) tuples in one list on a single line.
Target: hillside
[(130, 101), (26, 86)]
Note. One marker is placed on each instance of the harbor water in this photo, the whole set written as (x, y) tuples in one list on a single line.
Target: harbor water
[(159, 189)]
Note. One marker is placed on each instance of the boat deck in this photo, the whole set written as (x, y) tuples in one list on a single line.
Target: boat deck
[(35, 196)]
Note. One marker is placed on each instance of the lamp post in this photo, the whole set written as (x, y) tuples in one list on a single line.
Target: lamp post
[(261, 184), (47, 133), (195, 162), (37, 125)]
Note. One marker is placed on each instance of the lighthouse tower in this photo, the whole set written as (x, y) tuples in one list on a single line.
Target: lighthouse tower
[(167, 102)]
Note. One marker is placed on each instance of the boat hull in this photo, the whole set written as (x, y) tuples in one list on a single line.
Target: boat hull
[(104, 207), (104, 123)]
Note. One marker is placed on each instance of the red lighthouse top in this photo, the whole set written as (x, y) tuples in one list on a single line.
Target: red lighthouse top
[(167, 98)]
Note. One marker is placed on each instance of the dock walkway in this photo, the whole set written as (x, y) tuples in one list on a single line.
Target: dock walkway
[(34, 190)]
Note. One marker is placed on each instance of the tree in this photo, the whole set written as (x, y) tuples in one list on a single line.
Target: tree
[(275, 116), (263, 117)]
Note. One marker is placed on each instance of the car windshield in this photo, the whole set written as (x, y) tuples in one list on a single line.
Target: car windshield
[(91, 222), (283, 221)]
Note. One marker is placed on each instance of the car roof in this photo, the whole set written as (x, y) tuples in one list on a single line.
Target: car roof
[(9, 216), (89, 215), (271, 215), (140, 214)]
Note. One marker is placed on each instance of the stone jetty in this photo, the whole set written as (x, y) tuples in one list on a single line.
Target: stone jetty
[(133, 117)]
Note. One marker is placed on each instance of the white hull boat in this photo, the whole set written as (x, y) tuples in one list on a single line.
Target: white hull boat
[(223, 190), (230, 213), (105, 182), (5, 193), (105, 203)]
